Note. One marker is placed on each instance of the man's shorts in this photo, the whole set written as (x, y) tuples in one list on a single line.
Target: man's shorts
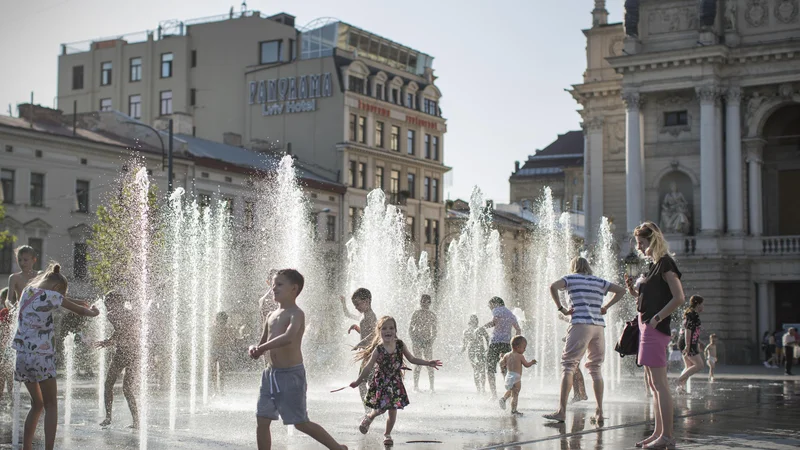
[(496, 351), (34, 367), (283, 393)]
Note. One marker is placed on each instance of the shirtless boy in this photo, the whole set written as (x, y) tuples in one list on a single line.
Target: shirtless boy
[(422, 330), (26, 259), (711, 355), (513, 362), (362, 301), (283, 382)]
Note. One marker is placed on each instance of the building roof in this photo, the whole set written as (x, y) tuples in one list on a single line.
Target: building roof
[(565, 151), (499, 218)]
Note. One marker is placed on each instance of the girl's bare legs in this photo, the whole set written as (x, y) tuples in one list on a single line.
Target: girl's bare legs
[(658, 425), (711, 366), (37, 406), (390, 421), (664, 401), (694, 364), (49, 391)]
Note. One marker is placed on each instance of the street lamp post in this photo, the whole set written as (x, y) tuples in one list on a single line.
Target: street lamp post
[(163, 150)]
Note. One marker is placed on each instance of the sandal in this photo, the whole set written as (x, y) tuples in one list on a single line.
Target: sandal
[(553, 416), (661, 443), (365, 423), (644, 442), (387, 439)]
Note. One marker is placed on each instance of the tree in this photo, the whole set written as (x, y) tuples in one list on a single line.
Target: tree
[(5, 236)]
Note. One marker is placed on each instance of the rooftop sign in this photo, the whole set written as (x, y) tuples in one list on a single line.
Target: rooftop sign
[(290, 94)]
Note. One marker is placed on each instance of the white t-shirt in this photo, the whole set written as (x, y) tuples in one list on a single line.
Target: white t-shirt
[(788, 339)]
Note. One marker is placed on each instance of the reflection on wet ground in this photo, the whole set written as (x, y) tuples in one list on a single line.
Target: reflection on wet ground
[(725, 414)]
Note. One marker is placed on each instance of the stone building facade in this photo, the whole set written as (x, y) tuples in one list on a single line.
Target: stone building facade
[(364, 110), (690, 114)]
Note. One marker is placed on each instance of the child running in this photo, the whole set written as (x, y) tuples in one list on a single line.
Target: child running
[(386, 390), (422, 330), (512, 363), (26, 259), (474, 339), (125, 341), (502, 322), (35, 346), (362, 301), (283, 382), (711, 355)]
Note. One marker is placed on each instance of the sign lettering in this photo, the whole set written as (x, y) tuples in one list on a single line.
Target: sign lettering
[(294, 94)]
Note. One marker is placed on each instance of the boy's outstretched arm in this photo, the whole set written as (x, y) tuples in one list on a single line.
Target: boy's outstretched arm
[(347, 313), (420, 362), (80, 309)]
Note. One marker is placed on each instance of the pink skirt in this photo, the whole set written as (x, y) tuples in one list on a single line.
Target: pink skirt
[(652, 346)]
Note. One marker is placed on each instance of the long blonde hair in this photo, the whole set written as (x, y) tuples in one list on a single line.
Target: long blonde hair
[(365, 353), (51, 275), (658, 245)]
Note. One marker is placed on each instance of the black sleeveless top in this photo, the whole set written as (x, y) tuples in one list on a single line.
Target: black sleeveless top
[(654, 292)]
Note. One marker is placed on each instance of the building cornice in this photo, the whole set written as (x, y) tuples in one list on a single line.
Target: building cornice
[(393, 156)]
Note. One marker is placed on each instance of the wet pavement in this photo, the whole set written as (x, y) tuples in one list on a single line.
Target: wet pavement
[(732, 412)]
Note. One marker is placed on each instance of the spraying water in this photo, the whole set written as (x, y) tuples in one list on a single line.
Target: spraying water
[(69, 366), (193, 236), (142, 184), (176, 220), (208, 244), (605, 266)]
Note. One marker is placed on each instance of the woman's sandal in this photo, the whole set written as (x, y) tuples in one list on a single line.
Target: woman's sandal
[(387, 439), (644, 442), (661, 443), (365, 423)]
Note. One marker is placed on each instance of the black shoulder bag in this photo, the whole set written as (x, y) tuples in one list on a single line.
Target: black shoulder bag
[(628, 343)]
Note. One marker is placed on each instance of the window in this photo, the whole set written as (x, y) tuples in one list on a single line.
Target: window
[(435, 190), (37, 189), (362, 175), (270, 52), (436, 148), (395, 142), (379, 91), (166, 102), (353, 120), (9, 148), (7, 178), (355, 84), (6, 258), (249, 213), (362, 130), (355, 218), (430, 107), (192, 96), (227, 203), (313, 224), (676, 118), (205, 200), (166, 65), (410, 142), (435, 231), (410, 227), (38, 247), (79, 251), (396, 96), (292, 49), (38, 153), (379, 134), (352, 173), (135, 106), (77, 77), (426, 191), (412, 185), (136, 69), (379, 177), (82, 195), (330, 229), (105, 74), (427, 146), (394, 185), (105, 104), (410, 100), (428, 231), (194, 58)]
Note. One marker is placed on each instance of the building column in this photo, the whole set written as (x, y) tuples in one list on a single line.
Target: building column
[(709, 195), (762, 305), (734, 185), (634, 161), (593, 204), (755, 150), (719, 165)]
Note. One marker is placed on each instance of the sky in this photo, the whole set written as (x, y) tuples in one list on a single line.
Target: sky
[(502, 66)]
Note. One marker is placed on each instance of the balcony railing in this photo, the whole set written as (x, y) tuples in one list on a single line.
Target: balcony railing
[(736, 245), (780, 245)]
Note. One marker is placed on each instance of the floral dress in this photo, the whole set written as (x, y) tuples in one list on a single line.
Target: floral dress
[(691, 325), (386, 389), (35, 338)]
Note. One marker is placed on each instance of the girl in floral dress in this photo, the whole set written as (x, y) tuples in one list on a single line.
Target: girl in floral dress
[(688, 341), (386, 390), (36, 348)]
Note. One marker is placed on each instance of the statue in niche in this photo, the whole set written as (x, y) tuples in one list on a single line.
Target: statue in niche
[(730, 15), (675, 212)]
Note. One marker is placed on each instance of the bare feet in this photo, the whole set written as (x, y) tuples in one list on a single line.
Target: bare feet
[(134, 426), (516, 413), (558, 417), (644, 442), (106, 422)]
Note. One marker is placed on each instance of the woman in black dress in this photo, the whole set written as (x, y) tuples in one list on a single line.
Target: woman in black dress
[(657, 296)]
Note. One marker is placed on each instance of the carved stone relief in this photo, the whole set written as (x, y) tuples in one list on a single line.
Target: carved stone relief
[(756, 13), (615, 137), (674, 103), (730, 15), (615, 49), (786, 10), (669, 20)]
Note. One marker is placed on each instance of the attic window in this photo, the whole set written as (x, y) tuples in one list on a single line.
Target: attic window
[(204, 174), (676, 118), (228, 180), (38, 153)]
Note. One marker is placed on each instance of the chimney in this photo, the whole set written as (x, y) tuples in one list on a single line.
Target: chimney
[(234, 139), (516, 166), (600, 14), (37, 113)]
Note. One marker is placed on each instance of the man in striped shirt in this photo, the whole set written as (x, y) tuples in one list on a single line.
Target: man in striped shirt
[(586, 330)]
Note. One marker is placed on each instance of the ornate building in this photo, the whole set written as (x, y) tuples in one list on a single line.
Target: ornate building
[(691, 111)]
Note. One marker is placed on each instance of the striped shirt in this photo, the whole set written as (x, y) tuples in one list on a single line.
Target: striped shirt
[(586, 293)]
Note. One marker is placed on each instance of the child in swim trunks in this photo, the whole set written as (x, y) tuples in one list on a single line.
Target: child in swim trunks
[(513, 362), (711, 355), (283, 382)]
